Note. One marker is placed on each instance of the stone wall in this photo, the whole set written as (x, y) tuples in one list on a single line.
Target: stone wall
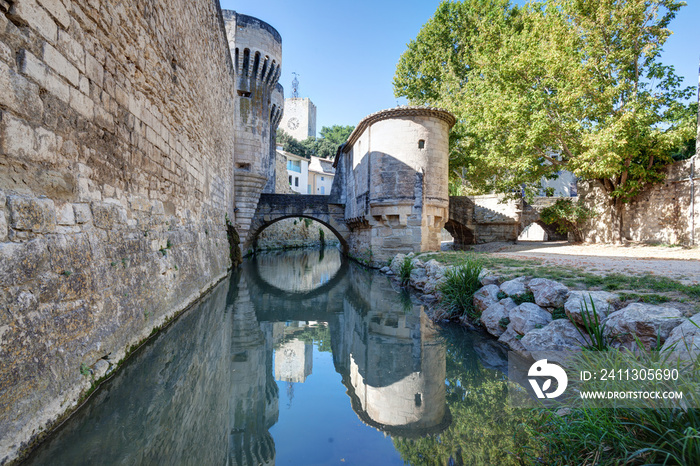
[(116, 156), (281, 181), (294, 233), (661, 214)]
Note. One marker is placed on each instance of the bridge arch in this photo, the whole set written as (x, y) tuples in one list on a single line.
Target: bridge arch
[(461, 233), (275, 207)]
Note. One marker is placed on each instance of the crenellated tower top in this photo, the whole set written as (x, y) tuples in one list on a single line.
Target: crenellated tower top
[(256, 49)]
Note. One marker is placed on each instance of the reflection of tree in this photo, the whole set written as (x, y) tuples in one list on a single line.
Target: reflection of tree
[(318, 335), (484, 429)]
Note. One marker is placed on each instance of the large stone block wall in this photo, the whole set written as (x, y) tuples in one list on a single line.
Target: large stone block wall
[(660, 214), (116, 176)]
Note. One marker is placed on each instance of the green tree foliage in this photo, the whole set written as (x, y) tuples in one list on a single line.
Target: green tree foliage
[(337, 134), (567, 216), (562, 84), (325, 147), (291, 144)]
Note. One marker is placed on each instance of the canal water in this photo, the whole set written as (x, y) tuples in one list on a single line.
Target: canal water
[(299, 358)]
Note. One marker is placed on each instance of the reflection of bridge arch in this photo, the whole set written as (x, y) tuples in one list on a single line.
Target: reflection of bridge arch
[(275, 207), (256, 280), (336, 260)]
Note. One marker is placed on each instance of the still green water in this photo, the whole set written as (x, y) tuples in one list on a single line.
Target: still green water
[(299, 358)]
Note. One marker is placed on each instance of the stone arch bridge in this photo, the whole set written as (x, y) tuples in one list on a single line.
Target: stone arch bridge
[(472, 220), (275, 207)]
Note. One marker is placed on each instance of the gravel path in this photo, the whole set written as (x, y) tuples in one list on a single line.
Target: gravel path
[(673, 262)]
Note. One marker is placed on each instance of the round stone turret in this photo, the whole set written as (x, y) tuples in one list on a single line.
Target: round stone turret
[(395, 164), (256, 51)]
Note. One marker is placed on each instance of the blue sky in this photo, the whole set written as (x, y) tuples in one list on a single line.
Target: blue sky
[(346, 51)]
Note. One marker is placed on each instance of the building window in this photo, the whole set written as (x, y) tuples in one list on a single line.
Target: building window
[(294, 166), (296, 181), (421, 143), (290, 180), (308, 189), (323, 190), (321, 178)]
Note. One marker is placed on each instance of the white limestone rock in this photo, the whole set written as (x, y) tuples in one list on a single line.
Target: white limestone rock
[(434, 268), (510, 338), (491, 319), (514, 287), (548, 293), (508, 303), (485, 297), (554, 341), (602, 302), (684, 340), (419, 277), (490, 280), (528, 316), (643, 320)]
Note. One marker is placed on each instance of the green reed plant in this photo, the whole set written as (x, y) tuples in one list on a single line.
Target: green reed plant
[(405, 270), (595, 329), (458, 288)]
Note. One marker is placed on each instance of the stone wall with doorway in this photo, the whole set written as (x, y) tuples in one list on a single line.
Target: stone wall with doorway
[(295, 233), (661, 214), (116, 179)]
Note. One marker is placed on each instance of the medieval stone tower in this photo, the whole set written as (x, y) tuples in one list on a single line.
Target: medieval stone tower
[(256, 50)]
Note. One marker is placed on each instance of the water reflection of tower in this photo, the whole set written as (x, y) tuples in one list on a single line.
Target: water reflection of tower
[(254, 394), (391, 361), (293, 361)]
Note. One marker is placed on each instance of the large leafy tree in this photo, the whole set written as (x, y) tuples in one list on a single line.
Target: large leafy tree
[(337, 134), (564, 84), (325, 147)]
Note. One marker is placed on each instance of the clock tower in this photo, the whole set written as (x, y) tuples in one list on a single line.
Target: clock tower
[(299, 119)]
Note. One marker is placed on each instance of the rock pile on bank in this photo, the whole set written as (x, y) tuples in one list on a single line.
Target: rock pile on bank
[(531, 315)]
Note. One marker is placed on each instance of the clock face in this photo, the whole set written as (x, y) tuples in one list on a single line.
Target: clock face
[(293, 123)]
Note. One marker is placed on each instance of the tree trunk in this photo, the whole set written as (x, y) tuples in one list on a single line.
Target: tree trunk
[(616, 217)]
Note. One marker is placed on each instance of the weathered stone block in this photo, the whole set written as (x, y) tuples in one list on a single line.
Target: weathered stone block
[(579, 301), (29, 12), (17, 137), (554, 341), (20, 262), (107, 215), (34, 68), (60, 65), (3, 226), (19, 94), (82, 104), (32, 214), (65, 214), (58, 11)]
